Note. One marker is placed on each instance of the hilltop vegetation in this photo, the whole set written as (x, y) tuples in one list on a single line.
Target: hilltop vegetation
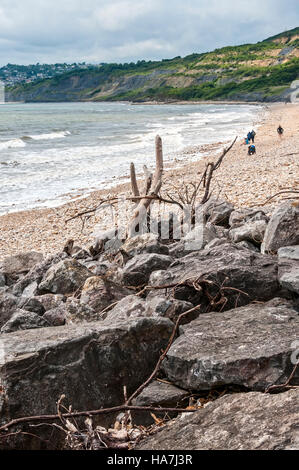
[(251, 72)]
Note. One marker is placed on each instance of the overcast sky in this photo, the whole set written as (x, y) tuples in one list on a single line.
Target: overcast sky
[(49, 31)]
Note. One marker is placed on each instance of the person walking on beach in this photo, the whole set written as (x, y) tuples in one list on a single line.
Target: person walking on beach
[(253, 134), (249, 136), (280, 131)]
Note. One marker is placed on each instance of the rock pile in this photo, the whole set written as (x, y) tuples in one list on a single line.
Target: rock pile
[(87, 325)]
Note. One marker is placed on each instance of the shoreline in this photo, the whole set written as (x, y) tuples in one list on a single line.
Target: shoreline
[(242, 181)]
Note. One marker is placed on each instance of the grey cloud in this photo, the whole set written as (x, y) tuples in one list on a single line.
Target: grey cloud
[(125, 30)]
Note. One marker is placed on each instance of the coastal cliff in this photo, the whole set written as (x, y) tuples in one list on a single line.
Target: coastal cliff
[(252, 72)]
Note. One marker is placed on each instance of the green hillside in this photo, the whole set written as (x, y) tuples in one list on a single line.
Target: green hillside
[(250, 72)]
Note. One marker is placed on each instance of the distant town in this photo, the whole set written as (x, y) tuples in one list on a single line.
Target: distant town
[(12, 74)]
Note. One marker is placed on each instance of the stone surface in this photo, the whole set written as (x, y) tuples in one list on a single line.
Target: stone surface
[(50, 301), (288, 268), (252, 231), (98, 293), (146, 243), (35, 275), (2, 280), (21, 263), (23, 320), (218, 212), (8, 305), (56, 316), (159, 306), (250, 346), (129, 307), (242, 216), (89, 363), (65, 277), (246, 421), (283, 228), (32, 305), (159, 394), (252, 274), (138, 270)]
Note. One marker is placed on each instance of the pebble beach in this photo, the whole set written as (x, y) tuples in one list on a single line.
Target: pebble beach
[(242, 180)]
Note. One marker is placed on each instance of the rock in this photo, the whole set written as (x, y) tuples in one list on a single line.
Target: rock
[(21, 263), (23, 320), (195, 240), (80, 254), (50, 301), (8, 305), (288, 268), (146, 243), (2, 280), (289, 252), (159, 306), (250, 231), (216, 242), (242, 216), (283, 228), (248, 346), (138, 270), (243, 421), (218, 212), (159, 394), (78, 312), (98, 293), (252, 274), (89, 363), (65, 277), (129, 307), (199, 237), (32, 305), (56, 316), (248, 245), (28, 284)]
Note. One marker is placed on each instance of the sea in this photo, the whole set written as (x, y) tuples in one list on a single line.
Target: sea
[(52, 152)]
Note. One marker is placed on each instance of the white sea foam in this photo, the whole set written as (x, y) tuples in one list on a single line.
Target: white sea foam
[(13, 143), (50, 136)]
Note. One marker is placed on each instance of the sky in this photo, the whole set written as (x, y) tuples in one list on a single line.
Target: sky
[(94, 31)]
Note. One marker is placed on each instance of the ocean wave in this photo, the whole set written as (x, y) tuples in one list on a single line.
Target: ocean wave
[(50, 136), (13, 143)]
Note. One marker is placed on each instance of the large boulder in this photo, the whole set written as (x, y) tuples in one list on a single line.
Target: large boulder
[(288, 268), (24, 320), (217, 211), (8, 305), (65, 277), (252, 231), (283, 228), (27, 286), (146, 243), (129, 307), (138, 270), (159, 394), (243, 216), (239, 274), (21, 263), (243, 421), (98, 293), (89, 363), (249, 346)]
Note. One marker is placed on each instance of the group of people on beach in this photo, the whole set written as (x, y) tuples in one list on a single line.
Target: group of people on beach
[(250, 138)]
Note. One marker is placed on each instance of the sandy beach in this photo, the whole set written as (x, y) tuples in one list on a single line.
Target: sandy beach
[(244, 181)]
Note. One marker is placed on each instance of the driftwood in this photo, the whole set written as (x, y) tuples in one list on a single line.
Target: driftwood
[(152, 189), (185, 196)]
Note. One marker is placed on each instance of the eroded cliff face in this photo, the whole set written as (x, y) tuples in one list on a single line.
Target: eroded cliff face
[(253, 72)]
